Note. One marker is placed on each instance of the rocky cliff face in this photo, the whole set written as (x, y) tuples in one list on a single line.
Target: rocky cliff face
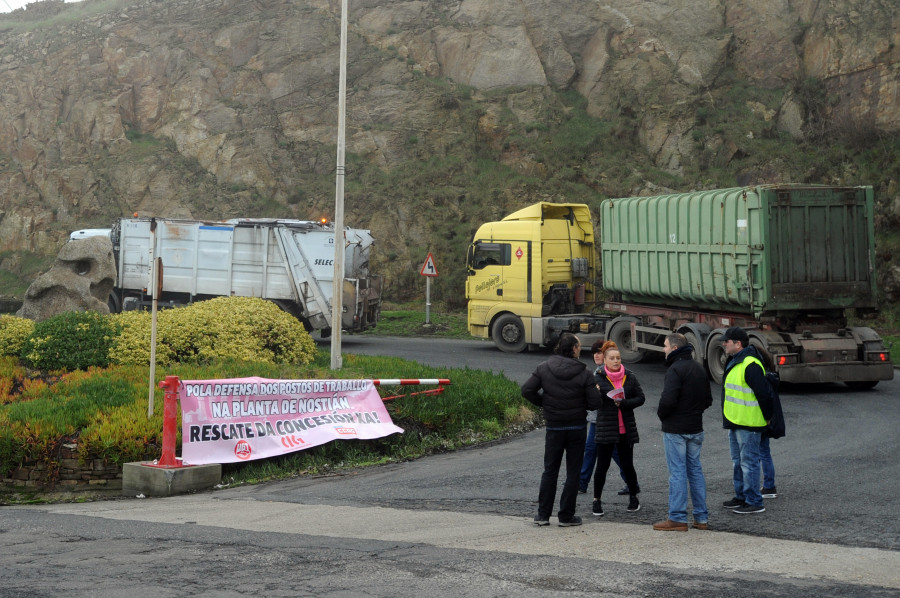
[(222, 108)]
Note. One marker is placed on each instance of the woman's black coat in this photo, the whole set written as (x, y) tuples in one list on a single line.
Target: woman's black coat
[(607, 431)]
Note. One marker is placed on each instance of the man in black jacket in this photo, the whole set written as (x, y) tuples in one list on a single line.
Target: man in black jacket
[(685, 396), (565, 389)]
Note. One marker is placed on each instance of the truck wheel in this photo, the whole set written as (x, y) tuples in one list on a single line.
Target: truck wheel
[(620, 334), (113, 303), (861, 384), (292, 308), (716, 357), (699, 353), (509, 334)]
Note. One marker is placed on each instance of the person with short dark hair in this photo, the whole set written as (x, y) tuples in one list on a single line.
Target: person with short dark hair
[(565, 390), (747, 405), (685, 396)]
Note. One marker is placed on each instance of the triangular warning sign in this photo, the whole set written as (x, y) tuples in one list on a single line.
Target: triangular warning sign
[(428, 268)]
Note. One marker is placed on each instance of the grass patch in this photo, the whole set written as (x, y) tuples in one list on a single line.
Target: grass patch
[(411, 322), (24, 268), (54, 14), (887, 325), (892, 341), (143, 145)]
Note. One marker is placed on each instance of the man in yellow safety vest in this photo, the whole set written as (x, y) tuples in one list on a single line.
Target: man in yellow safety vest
[(747, 404)]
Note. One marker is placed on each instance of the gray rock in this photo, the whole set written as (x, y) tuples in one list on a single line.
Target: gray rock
[(890, 283), (81, 279), (790, 118), (489, 58)]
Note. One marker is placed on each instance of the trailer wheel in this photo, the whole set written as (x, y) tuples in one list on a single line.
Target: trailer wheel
[(760, 344), (509, 334), (861, 384), (620, 333), (699, 353), (715, 356)]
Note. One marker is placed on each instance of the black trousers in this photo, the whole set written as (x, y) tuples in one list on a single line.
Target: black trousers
[(626, 462), (556, 444)]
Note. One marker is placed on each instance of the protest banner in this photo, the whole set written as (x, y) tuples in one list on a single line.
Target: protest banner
[(239, 419)]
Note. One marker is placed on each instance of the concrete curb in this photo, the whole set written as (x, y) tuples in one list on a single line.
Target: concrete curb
[(596, 540)]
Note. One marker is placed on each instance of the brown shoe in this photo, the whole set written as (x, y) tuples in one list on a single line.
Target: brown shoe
[(700, 525), (670, 526)]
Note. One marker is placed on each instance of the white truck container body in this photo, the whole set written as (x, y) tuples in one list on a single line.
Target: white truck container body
[(290, 262)]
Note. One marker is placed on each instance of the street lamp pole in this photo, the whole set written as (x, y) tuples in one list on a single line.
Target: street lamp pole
[(337, 302)]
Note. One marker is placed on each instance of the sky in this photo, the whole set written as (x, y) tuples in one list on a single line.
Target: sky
[(10, 5)]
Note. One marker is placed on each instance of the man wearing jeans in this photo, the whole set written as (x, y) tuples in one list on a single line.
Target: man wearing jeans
[(685, 397), (564, 389), (747, 404)]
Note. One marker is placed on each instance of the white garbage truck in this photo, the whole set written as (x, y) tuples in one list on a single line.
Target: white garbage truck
[(289, 262)]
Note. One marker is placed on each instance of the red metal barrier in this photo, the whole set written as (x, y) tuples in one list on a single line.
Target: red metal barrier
[(442, 382), (170, 423)]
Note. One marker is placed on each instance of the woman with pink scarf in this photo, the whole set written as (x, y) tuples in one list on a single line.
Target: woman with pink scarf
[(616, 427)]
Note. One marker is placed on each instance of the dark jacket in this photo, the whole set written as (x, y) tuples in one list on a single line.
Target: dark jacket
[(686, 394), (565, 389), (755, 377), (607, 430)]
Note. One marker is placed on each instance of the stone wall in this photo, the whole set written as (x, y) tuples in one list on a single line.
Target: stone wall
[(72, 475)]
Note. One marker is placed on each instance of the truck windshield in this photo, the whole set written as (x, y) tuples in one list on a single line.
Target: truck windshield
[(489, 254)]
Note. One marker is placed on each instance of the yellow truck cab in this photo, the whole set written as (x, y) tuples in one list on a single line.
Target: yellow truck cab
[(531, 275)]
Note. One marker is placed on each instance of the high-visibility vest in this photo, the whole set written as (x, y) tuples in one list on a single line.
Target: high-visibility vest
[(741, 406)]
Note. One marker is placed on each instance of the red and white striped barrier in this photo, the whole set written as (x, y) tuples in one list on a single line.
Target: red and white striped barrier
[(410, 381), (441, 382)]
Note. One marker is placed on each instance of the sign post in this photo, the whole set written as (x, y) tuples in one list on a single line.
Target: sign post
[(429, 271), (156, 283)]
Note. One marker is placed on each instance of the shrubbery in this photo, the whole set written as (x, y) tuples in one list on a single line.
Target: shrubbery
[(70, 341), (13, 332), (10, 372), (235, 328), (228, 328)]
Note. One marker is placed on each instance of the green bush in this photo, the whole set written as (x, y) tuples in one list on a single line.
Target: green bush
[(13, 332), (70, 341), (229, 328), (132, 345)]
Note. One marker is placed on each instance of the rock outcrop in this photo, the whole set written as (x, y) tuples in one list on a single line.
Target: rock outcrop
[(211, 108)]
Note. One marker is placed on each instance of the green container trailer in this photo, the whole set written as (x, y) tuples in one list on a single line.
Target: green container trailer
[(783, 261), (770, 250)]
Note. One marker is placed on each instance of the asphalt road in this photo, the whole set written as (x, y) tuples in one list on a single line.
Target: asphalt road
[(458, 524), (837, 469)]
